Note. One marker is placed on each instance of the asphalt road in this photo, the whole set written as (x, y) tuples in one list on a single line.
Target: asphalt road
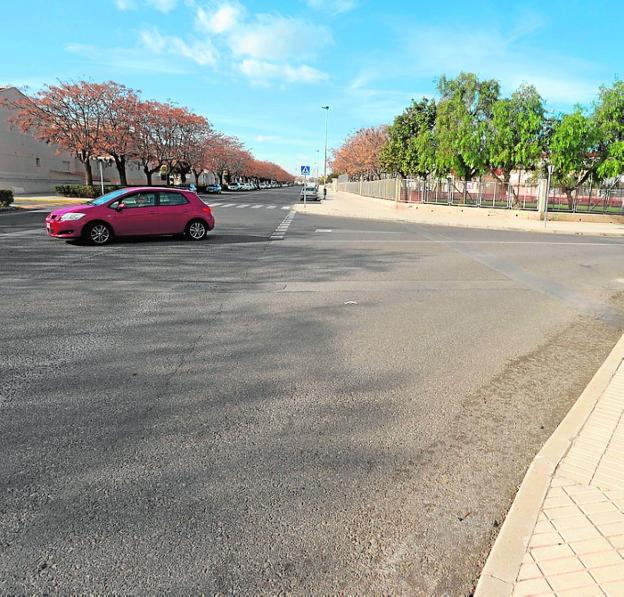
[(347, 410)]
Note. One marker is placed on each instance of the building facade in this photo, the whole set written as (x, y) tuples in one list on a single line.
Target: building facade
[(29, 166)]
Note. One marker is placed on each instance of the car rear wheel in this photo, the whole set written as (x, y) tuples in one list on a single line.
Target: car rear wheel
[(196, 230), (99, 233)]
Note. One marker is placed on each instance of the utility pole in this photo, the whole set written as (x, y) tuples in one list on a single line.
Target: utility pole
[(326, 108)]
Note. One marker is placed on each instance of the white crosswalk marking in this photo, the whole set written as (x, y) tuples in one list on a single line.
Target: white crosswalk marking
[(280, 231), (256, 206)]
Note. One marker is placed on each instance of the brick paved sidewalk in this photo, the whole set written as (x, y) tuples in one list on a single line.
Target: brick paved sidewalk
[(577, 545)]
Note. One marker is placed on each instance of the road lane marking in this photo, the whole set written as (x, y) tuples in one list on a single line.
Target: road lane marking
[(23, 233), (282, 229), (242, 205), (228, 205), (324, 230), (257, 206)]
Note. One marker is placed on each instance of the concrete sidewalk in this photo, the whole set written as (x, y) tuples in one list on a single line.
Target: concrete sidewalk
[(564, 534), (354, 206)]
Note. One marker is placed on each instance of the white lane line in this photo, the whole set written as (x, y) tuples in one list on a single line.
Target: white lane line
[(287, 207), (23, 233), (228, 205), (282, 229), (271, 206), (214, 204), (257, 206), (242, 205), (324, 230)]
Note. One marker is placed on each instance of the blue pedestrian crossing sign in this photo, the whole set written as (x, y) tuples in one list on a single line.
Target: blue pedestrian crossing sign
[(305, 170)]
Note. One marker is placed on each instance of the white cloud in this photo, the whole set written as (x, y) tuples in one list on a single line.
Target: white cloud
[(262, 72), (128, 59), (264, 47), (509, 55), (163, 6), (223, 18), (125, 5), (333, 6), (274, 37), (200, 52)]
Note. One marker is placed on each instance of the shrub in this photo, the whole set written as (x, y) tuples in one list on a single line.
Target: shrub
[(6, 197), (81, 190)]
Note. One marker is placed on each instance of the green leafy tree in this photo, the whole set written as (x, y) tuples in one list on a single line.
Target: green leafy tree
[(609, 117), (516, 140), (462, 126), (410, 149), (575, 152)]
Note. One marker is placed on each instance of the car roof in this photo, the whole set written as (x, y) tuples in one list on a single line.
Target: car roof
[(153, 189)]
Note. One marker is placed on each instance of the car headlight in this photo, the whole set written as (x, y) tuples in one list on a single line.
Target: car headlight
[(71, 217)]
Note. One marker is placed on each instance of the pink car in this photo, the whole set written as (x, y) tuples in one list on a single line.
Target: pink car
[(133, 212)]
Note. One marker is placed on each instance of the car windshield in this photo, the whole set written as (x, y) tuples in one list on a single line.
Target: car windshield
[(106, 198)]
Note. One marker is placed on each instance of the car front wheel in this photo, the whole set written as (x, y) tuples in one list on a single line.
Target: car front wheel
[(196, 230), (99, 234)]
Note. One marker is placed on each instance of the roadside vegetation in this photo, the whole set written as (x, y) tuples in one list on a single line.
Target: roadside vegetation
[(111, 121), (470, 130)]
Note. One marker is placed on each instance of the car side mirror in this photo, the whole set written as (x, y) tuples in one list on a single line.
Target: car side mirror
[(120, 207)]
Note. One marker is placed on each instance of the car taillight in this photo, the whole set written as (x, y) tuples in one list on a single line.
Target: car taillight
[(206, 210)]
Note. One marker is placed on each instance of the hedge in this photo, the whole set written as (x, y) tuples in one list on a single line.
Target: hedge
[(81, 190), (6, 197)]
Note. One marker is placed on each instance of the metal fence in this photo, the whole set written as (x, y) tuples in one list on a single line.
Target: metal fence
[(489, 194), (588, 199), (471, 193)]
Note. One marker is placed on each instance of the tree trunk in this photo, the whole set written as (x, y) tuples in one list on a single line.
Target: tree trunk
[(120, 162), (148, 175), (568, 193), (88, 172), (197, 175)]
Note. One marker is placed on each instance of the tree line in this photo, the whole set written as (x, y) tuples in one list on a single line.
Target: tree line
[(469, 130), (91, 120)]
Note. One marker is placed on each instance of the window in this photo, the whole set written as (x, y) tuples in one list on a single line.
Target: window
[(65, 166), (138, 200), (172, 199)]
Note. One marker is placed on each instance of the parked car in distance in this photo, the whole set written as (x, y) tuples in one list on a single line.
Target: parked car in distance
[(234, 186), (138, 211), (310, 193), (213, 188)]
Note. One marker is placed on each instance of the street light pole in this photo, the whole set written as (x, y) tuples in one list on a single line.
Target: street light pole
[(326, 108)]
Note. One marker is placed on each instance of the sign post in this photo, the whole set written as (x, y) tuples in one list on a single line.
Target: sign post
[(305, 172)]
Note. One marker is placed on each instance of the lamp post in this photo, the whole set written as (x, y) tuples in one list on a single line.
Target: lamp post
[(326, 108)]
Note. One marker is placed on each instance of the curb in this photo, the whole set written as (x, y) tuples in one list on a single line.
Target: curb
[(503, 564)]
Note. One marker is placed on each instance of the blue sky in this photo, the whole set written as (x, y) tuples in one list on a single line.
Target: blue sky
[(261, 69)]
